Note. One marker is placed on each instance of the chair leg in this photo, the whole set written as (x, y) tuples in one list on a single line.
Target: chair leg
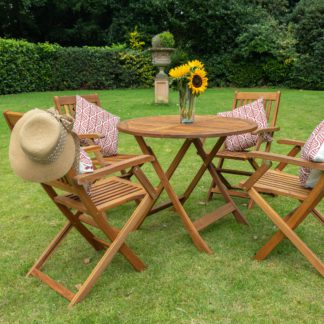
[(253, 163), (51, 248), (139, 213), (286, 229), (74, 219), (112, 234), (210, 193), (250, 204), (213, 184), (318, 216)]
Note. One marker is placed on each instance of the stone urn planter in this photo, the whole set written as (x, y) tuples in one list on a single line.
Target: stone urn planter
[(161, 57)]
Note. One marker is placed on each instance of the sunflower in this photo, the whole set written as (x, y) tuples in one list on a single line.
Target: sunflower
[(179, 71), (195, 64), (198, 81)]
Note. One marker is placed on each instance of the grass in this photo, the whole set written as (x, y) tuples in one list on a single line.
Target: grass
[(180, 284)]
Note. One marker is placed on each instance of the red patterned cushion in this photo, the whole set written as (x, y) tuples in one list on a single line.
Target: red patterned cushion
[(253, 111), (85, 165), (312, 151), (89, 118)]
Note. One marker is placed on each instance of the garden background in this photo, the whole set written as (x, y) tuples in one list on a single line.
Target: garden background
[(64, 47), (100, 44)]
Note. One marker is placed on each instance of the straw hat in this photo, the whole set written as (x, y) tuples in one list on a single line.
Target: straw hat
[(41, 146)]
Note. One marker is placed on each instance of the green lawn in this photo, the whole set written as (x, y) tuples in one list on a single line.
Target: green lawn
[(180, 284)]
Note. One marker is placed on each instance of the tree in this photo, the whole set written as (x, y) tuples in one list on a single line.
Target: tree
[(308, 25)]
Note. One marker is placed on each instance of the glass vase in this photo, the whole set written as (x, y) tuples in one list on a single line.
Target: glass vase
[(186, 105)]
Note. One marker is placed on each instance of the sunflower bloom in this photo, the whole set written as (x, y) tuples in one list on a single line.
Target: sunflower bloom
[(195, 64), (179, 71), (198, 81)]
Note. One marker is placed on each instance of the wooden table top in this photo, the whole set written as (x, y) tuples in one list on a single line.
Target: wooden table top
[(169, 126)]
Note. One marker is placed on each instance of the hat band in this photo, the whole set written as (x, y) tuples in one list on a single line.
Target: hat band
[(67, 126)]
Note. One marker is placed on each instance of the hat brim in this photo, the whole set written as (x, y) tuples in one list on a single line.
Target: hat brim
[(34, 171)]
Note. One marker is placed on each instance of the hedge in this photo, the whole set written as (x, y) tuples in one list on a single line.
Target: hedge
[(26, 67)]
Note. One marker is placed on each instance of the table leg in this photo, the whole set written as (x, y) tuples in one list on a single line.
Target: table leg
[(203, 168), (165, 184), (173, 166), (207, 164)]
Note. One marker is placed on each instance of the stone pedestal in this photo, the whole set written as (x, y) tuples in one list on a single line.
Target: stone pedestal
[(161, 57), (161, 85)]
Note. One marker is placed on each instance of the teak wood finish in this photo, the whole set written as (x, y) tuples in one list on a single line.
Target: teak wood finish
[(166, 127), (66, 105), (82, 209), (278, 182), (271, 105), (12, 117)]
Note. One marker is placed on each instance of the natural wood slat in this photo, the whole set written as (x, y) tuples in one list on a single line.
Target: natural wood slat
[(66, 105), (203, 127), (169, 127), (66, 293), (105, 198), (283, 184), (81, 208), (280, 183), (212, 217), (271, 105)]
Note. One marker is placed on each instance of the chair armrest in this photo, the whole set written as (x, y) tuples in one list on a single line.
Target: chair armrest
[(265, 130), (286, 159), (90, 136), (92, 148), (115, 167), (291, 142), (296, 148)]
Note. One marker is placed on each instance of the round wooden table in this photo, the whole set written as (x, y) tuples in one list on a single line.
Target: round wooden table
[(207, 126), (170, 127)]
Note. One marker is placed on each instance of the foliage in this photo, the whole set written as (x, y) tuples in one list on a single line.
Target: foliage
[(28, 67), (308, 25), (135, 41), (279, 9), (178, 57), (264, 37), (25, 66), (278, 36), (137, 67), (164, 39)]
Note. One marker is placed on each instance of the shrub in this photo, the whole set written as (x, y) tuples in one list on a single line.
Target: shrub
[(308, 26), (25, 66), (164, 39), (276, 71), (28, 67)]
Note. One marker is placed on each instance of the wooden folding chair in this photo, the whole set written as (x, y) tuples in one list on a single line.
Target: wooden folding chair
[(12, 117), (67, 105), (278, 182), (80, 208), (271, 105)]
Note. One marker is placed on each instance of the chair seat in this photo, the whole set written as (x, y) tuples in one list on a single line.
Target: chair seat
[(241, 155), (281, 183), (105, 194)]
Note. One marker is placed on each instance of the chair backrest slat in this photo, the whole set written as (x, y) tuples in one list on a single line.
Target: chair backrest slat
[(12, 117), (66, 104), (271, 103)]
